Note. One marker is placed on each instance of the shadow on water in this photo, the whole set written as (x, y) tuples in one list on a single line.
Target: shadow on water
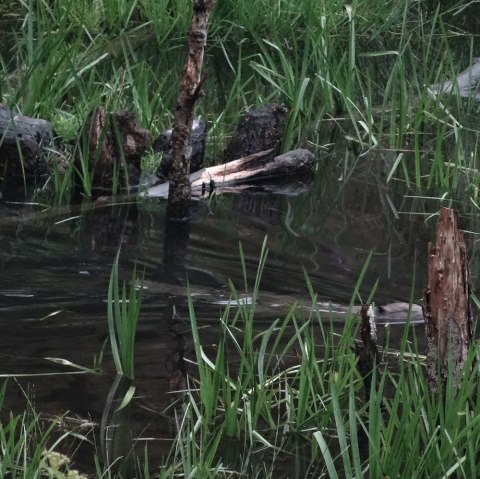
[(56, 268)]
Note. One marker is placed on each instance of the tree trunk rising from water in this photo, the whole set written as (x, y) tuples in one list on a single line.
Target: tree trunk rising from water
[(447, 313), (178, 207)]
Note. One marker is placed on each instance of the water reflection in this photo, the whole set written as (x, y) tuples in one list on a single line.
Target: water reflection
[(59, 262)]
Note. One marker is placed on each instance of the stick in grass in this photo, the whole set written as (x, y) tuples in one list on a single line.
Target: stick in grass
[(368, 353)]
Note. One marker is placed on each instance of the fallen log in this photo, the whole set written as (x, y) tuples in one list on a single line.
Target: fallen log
[(466, 83), (255, 169)]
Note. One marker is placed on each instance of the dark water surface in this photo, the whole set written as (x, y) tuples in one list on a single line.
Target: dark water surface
[(56, 267)]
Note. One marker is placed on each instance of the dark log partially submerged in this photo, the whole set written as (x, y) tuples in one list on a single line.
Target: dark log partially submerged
[(115, 142), (25, 145), (258, 130), (197, 142), (447, 313), (253, 169)]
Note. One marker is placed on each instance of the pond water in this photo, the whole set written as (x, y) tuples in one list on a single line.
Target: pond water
[(56, 265)]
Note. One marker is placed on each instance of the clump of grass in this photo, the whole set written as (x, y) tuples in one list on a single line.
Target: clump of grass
[(28, 445), (123, 313), (282, 387), (278, 388), (151, 161), (364, 68)]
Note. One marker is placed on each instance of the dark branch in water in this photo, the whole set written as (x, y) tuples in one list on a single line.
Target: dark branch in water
[(190, 89)]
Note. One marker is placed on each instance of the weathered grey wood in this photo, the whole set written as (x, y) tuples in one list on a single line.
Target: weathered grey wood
[(253, 169), (368, 357), (466, 83), (447, 313)]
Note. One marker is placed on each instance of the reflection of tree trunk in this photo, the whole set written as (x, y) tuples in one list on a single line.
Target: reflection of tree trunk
[(447, 313), (190, 88), (177, 234), (175, 364), (116, 440)]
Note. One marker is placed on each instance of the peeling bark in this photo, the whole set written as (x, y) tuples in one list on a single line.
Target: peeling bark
[(447, 313), (190, 89), (253, 169), (368, 357)]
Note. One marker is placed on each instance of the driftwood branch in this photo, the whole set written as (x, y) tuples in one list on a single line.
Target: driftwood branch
[(190, 88), (253, 169), (466, 83), (447, 313)]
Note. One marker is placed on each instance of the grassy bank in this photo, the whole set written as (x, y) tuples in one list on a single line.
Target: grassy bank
[(359, 71), (286, 400)]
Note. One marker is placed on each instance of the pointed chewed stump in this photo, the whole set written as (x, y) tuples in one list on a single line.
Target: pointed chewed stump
[(446, 309)]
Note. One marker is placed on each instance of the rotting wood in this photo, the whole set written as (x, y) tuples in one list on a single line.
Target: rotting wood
[(252, 169), (367, 353), (258, 130), (115, 143), (446, 309), (190, 89)]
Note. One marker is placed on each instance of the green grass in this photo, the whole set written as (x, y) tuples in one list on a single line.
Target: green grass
[(123, 313), (363, 67), (269, 392), (355, 75), (28, 445), (401, 430)]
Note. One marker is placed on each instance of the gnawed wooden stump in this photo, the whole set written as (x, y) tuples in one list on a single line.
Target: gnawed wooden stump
[(254, 169), (258, 130), (115, 143), (447, 313)]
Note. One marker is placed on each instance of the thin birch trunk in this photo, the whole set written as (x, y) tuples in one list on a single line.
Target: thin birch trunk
[(191, 82)]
